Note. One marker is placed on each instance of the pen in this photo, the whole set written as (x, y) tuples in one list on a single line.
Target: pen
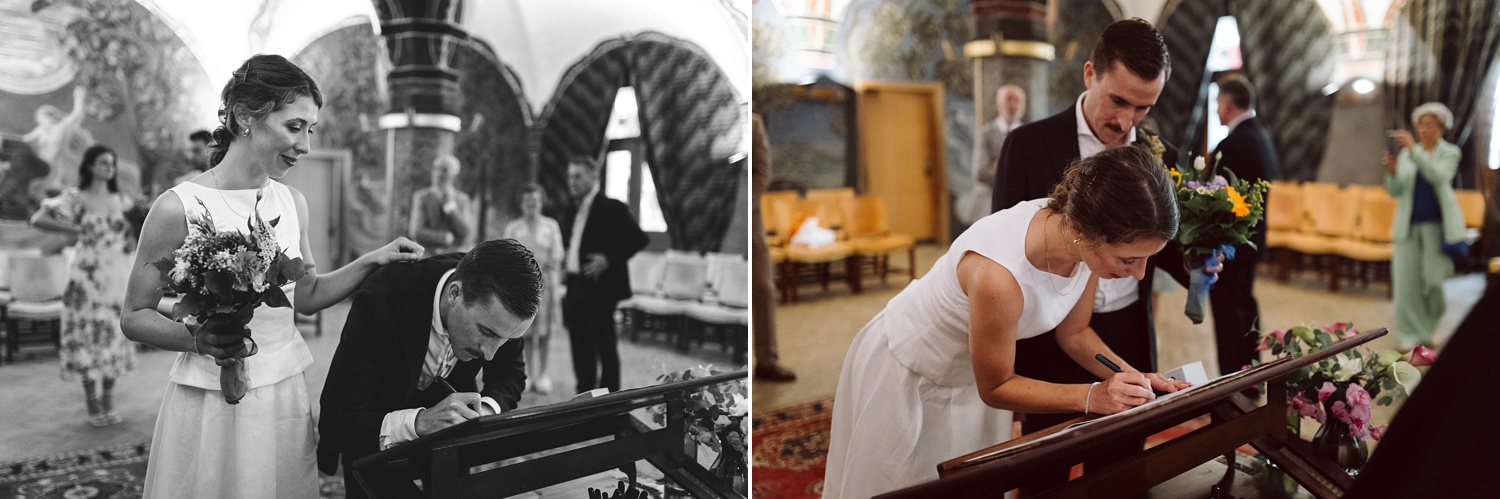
[(1105, 360), (445, 384)]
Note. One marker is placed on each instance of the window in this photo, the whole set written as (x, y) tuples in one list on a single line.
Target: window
[(627, 177), (1223, 55)]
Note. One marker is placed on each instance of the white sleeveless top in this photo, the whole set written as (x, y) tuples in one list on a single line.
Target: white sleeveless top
[(927, 325), (282, 353)]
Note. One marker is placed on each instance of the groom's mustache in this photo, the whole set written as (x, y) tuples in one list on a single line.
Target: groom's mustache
[(1114, 128)]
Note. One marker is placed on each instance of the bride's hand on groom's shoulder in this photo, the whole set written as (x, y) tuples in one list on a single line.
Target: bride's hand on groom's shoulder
[(454, 409), (399, 250)]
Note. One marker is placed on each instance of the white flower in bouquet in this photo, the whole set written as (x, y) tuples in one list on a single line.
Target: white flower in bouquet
[(1348, 368), (1200, 163)]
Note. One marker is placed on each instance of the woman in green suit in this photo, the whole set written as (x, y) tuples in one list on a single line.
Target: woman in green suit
[(1420, 176)]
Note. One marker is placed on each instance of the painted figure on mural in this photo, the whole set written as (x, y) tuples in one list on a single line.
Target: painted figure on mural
[(59, 139)]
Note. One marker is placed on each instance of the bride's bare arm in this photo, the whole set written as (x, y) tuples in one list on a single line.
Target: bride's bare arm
[(995, 306), (162, 233)]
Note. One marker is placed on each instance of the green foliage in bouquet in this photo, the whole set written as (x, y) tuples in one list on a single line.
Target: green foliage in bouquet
[(1216, 211)]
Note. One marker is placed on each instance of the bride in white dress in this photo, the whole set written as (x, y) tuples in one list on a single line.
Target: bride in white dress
[(932, 377)]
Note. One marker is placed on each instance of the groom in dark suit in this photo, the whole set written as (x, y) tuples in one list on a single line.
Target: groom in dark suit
[(1123, 77), (415, 331), (601, 237), (1249, 153)]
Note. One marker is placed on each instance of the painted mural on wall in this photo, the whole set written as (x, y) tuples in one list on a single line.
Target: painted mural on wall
[(75, 73), (493, 145), (350, 69)]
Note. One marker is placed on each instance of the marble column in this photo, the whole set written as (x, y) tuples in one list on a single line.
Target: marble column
[(423, 118), (1010, 46)]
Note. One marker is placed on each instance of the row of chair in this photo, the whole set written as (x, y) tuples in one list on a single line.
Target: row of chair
[(690, 297), (1345, 228), (31, 289), (863, 240)]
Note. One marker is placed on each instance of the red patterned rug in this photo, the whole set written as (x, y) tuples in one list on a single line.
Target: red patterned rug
[(790, 448)]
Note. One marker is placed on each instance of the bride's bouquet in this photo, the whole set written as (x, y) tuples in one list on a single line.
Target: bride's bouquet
[(1217, 213), (222, 277)]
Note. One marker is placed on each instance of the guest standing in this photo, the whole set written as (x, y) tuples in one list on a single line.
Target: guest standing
[(602, 235), (263, 446), (543, 236), (440, 218), (1249, 153), (1420, 176), (763, 301), (1010, 105), (933, 376), (93, 347), (198, 147)]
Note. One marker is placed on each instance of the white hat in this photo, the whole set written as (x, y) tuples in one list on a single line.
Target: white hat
[(1437, 110)]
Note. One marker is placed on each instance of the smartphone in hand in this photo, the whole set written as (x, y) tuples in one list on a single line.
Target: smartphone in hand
[(1390, 144)]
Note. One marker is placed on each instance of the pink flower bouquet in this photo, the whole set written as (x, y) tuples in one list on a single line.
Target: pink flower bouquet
[(1346, 385)]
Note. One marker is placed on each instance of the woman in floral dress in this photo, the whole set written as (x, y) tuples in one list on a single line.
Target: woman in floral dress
[(93, 348), (543, 237)]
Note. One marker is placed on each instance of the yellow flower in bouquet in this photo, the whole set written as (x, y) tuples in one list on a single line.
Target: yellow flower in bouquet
[(1218, 212), (1241, 208), (222, 277)]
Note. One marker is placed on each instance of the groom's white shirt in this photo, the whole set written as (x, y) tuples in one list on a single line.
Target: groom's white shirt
[(1113, 294), (401, 426)]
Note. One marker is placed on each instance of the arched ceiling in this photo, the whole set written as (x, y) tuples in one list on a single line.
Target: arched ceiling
[(541, 40)]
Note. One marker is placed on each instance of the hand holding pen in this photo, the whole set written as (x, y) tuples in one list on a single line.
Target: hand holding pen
[(1124, 390)]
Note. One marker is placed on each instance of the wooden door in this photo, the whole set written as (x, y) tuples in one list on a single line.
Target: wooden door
[(319, 176), (901, 155)]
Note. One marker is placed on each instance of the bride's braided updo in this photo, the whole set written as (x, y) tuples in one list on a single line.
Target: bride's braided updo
[(1120, 195), (263, 84)]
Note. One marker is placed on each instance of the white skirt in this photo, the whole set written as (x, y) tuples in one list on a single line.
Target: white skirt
[(261, 448), (892, 427)]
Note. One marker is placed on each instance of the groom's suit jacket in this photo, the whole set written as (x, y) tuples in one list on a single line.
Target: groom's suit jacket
[(380, 355)]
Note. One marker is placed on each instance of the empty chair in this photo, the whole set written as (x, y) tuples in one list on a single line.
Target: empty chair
[(1331, 214), (1369, 246), (37, 283), (728, 314), (1284, 207), (684, 279), (1471, 203), (871, 239)]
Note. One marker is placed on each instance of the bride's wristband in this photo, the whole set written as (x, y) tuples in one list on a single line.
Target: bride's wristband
[(1090, 395)]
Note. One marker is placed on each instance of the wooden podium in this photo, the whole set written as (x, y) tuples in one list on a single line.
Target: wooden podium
[(445, 461), (992, 471)]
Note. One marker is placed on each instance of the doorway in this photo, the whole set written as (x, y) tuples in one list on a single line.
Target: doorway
[(901, 154)]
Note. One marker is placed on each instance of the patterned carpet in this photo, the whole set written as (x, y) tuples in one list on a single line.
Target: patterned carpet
[(790, 448), (116, 472)]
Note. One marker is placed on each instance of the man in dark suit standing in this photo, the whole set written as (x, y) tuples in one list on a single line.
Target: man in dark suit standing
[(416, 337), (601, 235), (1123, 79), (1249, 153)]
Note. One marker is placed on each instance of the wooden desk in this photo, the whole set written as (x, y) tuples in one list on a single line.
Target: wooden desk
[(1006, 466), (588, 436)]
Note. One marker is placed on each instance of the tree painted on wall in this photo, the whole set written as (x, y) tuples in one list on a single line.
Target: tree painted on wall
[(137, 70), (915, 40)]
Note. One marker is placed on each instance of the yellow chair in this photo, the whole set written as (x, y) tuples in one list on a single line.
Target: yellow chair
[(1369, 246), (871, 238), (1330, 217), (1471, 203), (1284, 207), (770, 203)]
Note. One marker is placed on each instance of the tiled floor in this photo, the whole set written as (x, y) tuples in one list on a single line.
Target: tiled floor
[(42, 415), (815, 333)]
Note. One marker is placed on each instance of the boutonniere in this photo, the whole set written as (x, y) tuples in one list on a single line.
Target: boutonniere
[(1153, 143)]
